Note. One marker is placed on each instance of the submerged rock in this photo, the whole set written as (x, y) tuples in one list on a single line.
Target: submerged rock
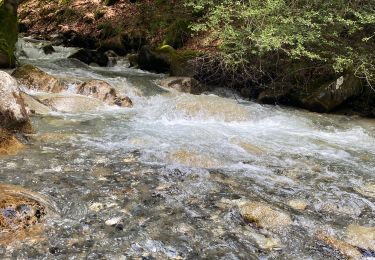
[(263, 216), (71, 103), (361, 236), (192, 159), (34, 106), (248, 147), (35, 78), (103, 91), (298, 204), (19, 208), (9, 144), (183, 84), (212, 107), (344, 248), (367, 190)]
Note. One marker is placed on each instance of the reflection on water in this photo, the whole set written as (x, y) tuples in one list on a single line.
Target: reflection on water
[(166, 179)]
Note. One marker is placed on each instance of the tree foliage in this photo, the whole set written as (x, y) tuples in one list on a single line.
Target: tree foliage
[(339, 33)]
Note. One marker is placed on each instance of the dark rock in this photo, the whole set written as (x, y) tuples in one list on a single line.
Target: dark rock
[(90, 56), (331, 95), (48, 49), (152, 61), (133, 60), (75, 39)]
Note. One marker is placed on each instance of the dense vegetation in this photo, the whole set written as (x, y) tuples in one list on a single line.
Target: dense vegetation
[(8, 28), (256, 36)]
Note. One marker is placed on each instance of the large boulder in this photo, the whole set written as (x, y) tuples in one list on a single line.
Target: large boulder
[(153, 61), (35, 78), (183, 84), (331, 95), (103, 91), (90, 56), (8, 32), (13, 115)]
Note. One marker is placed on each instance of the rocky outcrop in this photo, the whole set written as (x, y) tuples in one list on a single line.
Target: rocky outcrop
[(8, 32), (263, 216), (103, 91), (329, 96), (35, 78), (13, 115), (322, 98), (183, 84), (90, 57)]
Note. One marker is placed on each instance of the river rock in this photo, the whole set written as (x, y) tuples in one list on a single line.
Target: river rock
[(329, 96), (90, 56), (367, 190), (298, 204), (212, 107), (264, 216), (152, 61), (103, 91), (361, 236), (19, 209), (70, 103), (34, 106), (183, 84), (9, 144), (192, 159), (35, 78), (343, 247), (13, 115), (248, 147)]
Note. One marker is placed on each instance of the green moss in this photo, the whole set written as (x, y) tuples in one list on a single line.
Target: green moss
[(180, 60), (8, 30)]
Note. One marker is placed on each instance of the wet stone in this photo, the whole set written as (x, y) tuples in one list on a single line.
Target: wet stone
[(263, 216), (19, 212)]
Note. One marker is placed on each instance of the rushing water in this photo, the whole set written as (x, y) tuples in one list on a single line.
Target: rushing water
[(163, 180)]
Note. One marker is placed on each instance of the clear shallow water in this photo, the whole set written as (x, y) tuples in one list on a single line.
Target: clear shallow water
[(170, 172)]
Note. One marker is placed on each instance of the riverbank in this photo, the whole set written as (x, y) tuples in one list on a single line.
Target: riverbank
[(125, 27)]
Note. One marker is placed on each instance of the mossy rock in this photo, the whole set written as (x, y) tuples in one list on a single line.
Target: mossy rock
[(8, 32)]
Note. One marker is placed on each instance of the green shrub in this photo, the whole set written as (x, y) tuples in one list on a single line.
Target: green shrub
[(337, 33)]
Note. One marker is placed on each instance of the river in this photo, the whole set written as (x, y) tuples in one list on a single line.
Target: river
[(163, 180)]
